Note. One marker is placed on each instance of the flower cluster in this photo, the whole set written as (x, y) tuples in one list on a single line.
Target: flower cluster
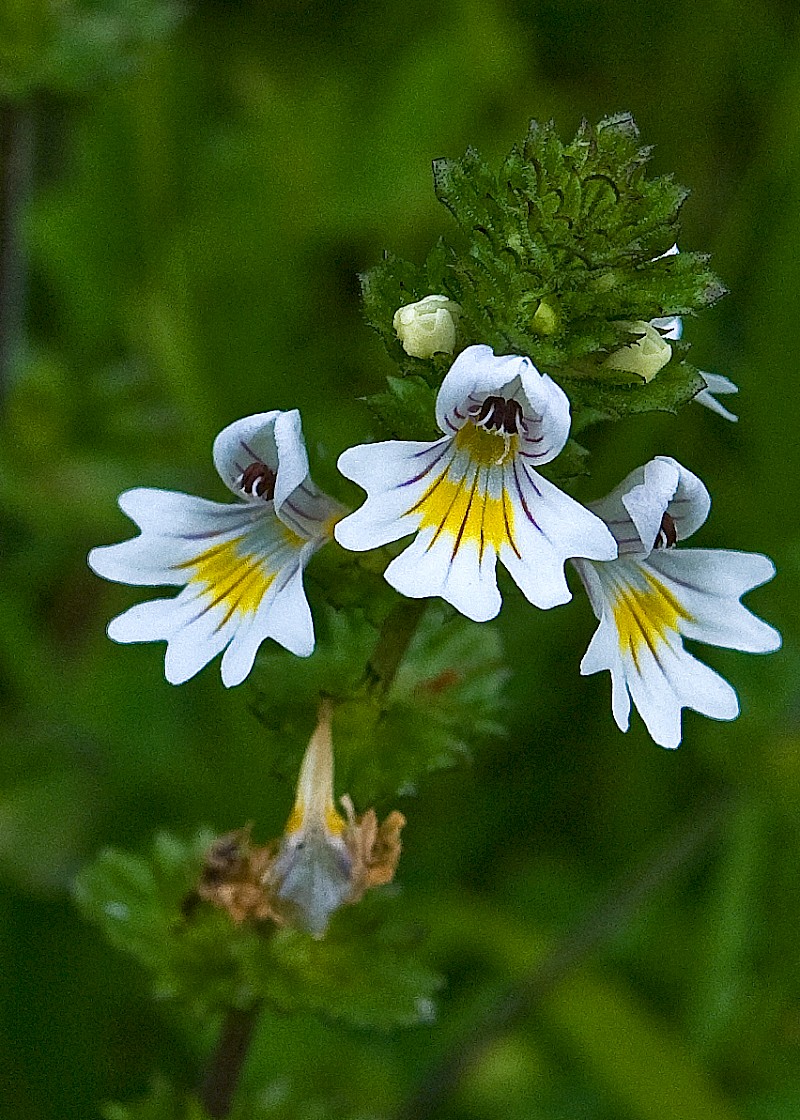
[(469, 498)]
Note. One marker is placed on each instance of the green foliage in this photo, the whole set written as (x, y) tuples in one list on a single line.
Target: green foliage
[(68, 47), (406, 411), (163, 1102), (363, 974), (559, 250), (446, 694)]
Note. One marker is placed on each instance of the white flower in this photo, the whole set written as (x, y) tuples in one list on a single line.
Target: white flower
[(474, 494), (654, 596), (428, 326), (671, 327), (241, 564), (645, 356)]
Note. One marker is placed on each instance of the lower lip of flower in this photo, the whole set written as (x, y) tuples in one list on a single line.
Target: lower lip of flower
[(646, 616)]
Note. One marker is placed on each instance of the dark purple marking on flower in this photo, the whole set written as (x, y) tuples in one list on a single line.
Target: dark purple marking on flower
[(524, 503), (667, 536), (536, 489), (500, 415), (257, 479), (427, 469)]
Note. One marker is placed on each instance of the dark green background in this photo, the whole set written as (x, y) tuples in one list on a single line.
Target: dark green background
[(193, 235)]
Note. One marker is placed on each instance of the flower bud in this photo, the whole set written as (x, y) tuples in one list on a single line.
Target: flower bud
[(428, 326), (645, 356), (546, 319)]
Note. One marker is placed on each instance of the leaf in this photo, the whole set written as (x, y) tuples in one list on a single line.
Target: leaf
[(407, 411), (365, 972), (594, 401), (447, 693), (369, 979)]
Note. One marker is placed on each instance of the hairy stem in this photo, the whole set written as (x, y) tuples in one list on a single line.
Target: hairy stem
[(225, 1067), (677, 852), (397, 632)]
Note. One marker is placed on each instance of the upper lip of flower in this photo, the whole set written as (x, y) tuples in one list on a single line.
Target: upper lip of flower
[(508, 395), (636, 509)]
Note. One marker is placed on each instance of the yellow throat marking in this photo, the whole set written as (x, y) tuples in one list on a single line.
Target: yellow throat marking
[(646, 616), (463, 509), (334, 824), (234, 579)]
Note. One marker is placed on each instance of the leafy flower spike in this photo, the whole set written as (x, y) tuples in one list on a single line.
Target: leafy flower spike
[(241, 564), (652, 597), (475, 495)]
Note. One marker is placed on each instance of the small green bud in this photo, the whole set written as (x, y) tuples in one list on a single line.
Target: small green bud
[(428, 326), (645, 356)]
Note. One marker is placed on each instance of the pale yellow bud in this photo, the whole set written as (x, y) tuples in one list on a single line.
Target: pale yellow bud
[(428, 326), (546, 319), (645, 356)]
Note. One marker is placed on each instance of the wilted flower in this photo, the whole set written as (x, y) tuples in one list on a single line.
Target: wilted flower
[(653, 596), (474, 494), (428, 326), (241, 563), (648, 353), (322, 861)]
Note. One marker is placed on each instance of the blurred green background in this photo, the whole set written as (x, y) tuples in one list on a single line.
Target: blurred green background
[(197, 208)]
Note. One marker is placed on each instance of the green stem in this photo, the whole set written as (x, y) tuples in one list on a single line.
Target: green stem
[(224, 1070), (397, 632)]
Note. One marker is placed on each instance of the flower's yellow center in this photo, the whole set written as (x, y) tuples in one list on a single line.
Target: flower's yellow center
[(484, 447), (232, 579), (463, 508), (646, 616)]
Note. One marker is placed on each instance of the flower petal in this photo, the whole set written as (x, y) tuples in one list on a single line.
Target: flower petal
[(274, 439), (464, 577), (645, 612), (395, 475), (709, 583), (716, 383), (477, 374), (635, 509), (175, 527), (193, 632), (662, 685), (546, 527), (244, 583), (601, 654), (670, 326)]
